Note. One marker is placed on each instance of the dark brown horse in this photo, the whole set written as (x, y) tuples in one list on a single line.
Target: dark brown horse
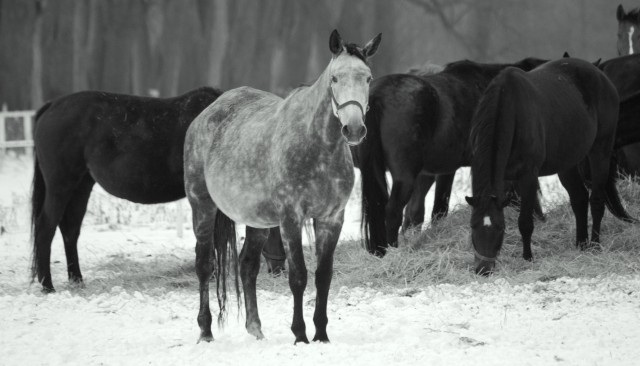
[(624, 72), (542, 122), (418, 130)]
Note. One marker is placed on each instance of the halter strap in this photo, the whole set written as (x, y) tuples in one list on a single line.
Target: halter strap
[(480, 256), (340, 106)]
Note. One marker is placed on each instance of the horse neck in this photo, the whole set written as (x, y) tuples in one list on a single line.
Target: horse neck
[(317, 122), (492, 137)]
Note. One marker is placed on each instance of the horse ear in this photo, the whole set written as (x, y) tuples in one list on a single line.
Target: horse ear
[(565, 54), (620, 12), (372, 46), (335, 42), (472, 201)]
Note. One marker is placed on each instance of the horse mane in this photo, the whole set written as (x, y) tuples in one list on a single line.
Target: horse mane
[(482, 139), (355, 50), (426, 69), (632, 15)]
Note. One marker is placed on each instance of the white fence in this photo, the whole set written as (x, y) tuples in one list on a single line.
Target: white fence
[(16, 121), (16, 133)]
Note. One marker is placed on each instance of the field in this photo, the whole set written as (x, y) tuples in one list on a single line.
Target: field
[(421, 304)]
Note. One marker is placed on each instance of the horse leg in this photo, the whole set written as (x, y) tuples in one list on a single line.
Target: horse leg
[(203, 215), (71, 223), (444, 182), (327, 234), (273, 252), (599, 164), (414, 215), (291, 232), (400, 194), (249, 268), (579, 198), (528, 193)]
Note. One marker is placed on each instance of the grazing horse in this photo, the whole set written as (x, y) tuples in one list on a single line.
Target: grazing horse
[(537, 123), (255, 158), (418, 128)]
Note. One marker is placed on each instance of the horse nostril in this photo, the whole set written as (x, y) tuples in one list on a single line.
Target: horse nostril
[(345, 131)]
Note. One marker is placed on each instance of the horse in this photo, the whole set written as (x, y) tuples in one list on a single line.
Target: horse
[(623, 72), (255, 158), (131, 146), (418, 128), (542, 122), (628, 30)]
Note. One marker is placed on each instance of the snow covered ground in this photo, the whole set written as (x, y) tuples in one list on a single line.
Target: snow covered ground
[(137, 308)]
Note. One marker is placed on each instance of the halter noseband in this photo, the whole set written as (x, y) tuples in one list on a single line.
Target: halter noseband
[(339, 106), (480, 256)]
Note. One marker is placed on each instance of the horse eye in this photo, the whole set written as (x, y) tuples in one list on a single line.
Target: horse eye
[(369, 79), (334, 79)]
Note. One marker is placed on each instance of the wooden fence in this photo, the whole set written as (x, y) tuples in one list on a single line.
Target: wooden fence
[(16, 131)]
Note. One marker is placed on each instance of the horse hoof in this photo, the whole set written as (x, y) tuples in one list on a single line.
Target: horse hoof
[(48, 290), (301, 339), (256, 332), (207, 338), (528, 258), (321, 339)]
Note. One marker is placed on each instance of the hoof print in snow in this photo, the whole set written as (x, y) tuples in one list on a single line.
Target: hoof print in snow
[(471, 342)]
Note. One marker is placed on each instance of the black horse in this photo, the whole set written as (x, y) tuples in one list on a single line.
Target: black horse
[(132, 146), (542, 122), (624, 73), (418, 128)]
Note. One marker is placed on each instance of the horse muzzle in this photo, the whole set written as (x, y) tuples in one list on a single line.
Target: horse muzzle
[(354, 134)]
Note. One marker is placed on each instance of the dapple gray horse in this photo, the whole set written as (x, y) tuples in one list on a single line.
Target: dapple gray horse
[(257, 159)]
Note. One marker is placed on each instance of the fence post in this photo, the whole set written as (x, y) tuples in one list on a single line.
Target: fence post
[(3, 136), (27, 121), (179, 218)]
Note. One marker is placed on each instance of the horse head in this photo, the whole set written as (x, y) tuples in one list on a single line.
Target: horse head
[(628, 31), (350, 77), (487, 231)]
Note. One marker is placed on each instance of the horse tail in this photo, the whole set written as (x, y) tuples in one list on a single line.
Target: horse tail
[(612, 197), (374, 184), (38, 193), (226, 257)]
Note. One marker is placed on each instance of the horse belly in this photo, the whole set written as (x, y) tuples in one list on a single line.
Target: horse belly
[(136, 181), (245, 203)]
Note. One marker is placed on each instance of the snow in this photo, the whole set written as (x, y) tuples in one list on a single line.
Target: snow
[(126, 317)]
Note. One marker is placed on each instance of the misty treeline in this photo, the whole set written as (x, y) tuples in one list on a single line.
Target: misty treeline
[(50, 48)]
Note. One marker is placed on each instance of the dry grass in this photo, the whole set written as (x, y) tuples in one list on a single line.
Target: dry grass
[(439, 254)]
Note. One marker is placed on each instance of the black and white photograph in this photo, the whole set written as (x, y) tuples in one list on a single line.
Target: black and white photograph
[(320, 182)]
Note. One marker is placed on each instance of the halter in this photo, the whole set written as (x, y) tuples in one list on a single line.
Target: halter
[(339, 106), (482, 257)]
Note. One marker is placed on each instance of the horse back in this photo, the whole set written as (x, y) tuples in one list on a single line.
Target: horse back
[(561, 101), (131, 145)]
